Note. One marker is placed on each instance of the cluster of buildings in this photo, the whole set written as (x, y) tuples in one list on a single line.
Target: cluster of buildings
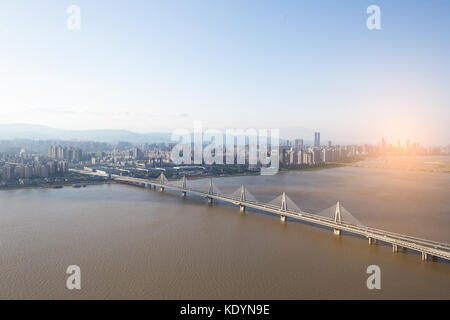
[(144, 156), (65, 153), (296, 154), (149, 159), (411, 148), (292, 153), (26, 167)]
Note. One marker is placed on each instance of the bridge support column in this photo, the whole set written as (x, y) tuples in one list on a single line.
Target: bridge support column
[(394, 248), (337, 232), (241, 208), (161, 189), (283, 218), (370, 241), (183, 194), (210, 201), (424, 256)]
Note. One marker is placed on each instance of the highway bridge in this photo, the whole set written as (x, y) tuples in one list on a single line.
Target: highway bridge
[(286, 208)]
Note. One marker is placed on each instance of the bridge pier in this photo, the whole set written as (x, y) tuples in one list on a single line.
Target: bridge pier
[(210, 201), (241, 208), (337, 232), (183, 194), (161, 189), (424, 256), (394, 248), (370, 241), (283, 218)]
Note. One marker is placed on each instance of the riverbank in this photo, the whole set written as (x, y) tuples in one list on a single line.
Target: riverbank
[(430, 164), (53, 186), (329, 166)]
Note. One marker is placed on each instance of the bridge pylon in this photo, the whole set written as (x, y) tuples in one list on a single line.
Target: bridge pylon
[(283, 206), (283, 202), (210, 191), (242, 198), (162, 178), (210, 187), (337, 213), (183, 186), (337, 218)]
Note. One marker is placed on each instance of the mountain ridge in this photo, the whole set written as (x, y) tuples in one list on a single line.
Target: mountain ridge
[(41, 132)]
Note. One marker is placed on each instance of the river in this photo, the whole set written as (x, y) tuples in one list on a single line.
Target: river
[(135, 243)]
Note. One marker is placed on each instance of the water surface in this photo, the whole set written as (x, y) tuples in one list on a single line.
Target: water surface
[(138, 243)]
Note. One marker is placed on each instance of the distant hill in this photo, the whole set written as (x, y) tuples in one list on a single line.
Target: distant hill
[(39, 132)]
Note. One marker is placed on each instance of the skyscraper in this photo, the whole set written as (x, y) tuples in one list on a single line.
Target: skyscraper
[(299, 144), (316, 139)]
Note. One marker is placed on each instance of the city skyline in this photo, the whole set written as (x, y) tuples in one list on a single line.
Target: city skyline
[(298, 65), (36, 132)]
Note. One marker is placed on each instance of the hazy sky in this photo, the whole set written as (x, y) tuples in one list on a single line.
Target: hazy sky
[(158, 65)]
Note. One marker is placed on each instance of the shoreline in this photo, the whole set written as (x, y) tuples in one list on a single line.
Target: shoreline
[(42, 186), (354, 164)]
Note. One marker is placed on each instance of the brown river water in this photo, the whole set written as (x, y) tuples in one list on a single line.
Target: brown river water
[(135, 243)]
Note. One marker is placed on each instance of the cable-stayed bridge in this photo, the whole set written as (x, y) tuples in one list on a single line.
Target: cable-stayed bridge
[(336, 217)]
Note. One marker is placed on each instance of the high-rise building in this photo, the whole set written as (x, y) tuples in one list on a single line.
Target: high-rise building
[(316, 139), (28, 172), (383, 145), (77, 155), (43, 171), (300, 157), (308, 158), (51, 168), (292, 155), (9, 172), (299, 144), (316, 156), (52, 152)]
